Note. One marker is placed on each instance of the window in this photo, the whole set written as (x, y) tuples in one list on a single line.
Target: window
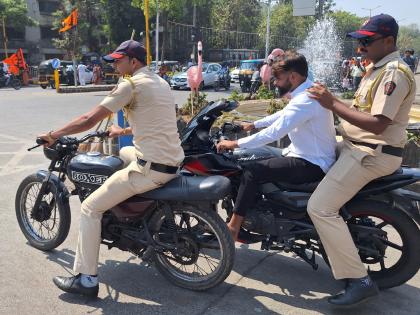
[(13, 33), (48, 33), (48, 7)]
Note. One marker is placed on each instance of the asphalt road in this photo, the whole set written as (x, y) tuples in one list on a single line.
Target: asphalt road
[(260, 283)]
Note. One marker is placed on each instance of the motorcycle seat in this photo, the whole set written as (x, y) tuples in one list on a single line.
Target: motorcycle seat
[(191, 188), (310, 187)]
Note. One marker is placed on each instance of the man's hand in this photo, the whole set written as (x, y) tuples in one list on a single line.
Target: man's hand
[(48, 138), (226, 145), (247, 126), (115, 131), (320, 93)]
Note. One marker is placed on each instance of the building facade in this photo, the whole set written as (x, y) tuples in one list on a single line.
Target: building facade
[(35, 41)]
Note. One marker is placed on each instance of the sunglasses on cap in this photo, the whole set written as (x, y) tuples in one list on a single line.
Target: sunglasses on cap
[(368, 41)]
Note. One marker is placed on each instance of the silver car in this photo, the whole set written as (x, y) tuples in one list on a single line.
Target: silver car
[(179, 81)]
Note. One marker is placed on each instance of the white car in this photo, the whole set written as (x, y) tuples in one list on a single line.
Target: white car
[(210, 70), (234, 76)]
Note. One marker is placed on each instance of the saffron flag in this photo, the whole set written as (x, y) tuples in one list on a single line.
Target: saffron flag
[(16, 62), (69, 22)]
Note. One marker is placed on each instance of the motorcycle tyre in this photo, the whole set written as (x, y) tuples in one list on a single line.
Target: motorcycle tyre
[(16, 84), (225, 238), (63, 210), (216, 86), (409, 267)]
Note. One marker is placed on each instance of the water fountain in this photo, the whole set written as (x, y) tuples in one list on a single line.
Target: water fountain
[(322, 49)]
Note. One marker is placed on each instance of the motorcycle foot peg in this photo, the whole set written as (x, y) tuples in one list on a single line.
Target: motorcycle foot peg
[(147, 255)]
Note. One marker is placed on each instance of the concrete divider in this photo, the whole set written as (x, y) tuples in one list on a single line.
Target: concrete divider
[(85, 88)]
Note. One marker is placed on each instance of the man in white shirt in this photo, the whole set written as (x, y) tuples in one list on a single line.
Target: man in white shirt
[(81, 68), (310, 128)]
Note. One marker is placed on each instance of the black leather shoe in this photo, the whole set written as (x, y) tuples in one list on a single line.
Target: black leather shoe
[(74, 285), (356, 291)]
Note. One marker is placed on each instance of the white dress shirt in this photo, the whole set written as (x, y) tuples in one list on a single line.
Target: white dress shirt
[(309, 125)]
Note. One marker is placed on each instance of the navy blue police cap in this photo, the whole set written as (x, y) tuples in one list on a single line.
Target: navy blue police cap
[(383, 24), (130, 48)]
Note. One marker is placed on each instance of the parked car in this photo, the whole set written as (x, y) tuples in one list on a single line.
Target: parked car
[(234, 75), (210, 70)]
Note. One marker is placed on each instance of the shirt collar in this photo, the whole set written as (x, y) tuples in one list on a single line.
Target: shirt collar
[(301, 88), (142, 69), (392, 56)]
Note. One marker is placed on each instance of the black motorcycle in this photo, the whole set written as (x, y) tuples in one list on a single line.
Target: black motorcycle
[(382, 217), (175, 227), (222, 81), (14, 82)]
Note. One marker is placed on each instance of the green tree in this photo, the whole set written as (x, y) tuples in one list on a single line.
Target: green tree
[(121, 18), (347, 22), (287, 31), (409, 38), (89, 31), (235, 16), (13, 13)]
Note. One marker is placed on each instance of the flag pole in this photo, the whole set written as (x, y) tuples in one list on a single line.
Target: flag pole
[(74, 56)]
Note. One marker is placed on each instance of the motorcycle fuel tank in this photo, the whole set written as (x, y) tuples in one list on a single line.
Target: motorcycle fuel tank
[(93, 168)]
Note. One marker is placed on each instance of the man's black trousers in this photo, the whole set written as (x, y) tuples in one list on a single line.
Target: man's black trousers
[(282, 169)]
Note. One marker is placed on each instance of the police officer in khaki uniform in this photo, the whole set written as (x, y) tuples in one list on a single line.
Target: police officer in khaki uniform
[(149, 107), (373, 131)]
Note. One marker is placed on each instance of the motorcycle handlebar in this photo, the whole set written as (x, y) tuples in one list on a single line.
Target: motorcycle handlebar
[(97, 134)]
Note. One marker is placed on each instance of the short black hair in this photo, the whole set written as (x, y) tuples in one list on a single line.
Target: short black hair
[(292, 62)]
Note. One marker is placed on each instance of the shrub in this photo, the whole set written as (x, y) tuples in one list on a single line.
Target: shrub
[(276, 105), (348, 95), (200, 101)]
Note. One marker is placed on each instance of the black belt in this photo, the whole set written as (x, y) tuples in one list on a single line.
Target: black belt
[(388, 149), (159, 167)]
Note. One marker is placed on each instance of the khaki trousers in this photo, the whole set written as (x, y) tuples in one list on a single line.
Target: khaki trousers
[(355, 167), (133, 179)]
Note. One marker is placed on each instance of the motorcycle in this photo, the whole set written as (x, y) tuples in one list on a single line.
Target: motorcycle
[(174, 227), (222, 80), (383, 217), (14, 82)]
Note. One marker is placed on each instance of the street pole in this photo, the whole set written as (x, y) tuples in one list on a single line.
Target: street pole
[(5, 37), (146, 16), (157, 35), (267, 35), (371, 9)]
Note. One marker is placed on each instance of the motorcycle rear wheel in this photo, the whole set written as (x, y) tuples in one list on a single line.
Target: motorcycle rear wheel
[(16, 84), (48, 228), (402, 239), (206, 253)]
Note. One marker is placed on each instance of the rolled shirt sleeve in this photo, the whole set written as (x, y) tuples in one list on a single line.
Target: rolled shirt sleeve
[(119, 97), (294, 114), (392, 91)]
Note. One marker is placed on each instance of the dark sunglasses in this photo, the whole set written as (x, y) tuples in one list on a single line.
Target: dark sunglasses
[(368, 41)]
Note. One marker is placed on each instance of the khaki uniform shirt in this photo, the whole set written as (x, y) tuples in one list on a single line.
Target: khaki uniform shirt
[(392, 97), (150, 110)]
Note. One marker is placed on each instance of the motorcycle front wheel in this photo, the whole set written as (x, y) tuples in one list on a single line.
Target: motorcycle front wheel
[(388, 242), (48, 226), (205, 252)]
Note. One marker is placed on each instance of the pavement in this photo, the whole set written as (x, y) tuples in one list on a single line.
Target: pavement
[(260, 283)]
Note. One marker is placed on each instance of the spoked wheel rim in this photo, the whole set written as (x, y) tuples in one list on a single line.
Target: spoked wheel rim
[(44, 225), (383, 250), (201, 250)]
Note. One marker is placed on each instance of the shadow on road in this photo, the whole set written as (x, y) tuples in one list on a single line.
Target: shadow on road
[(257, 277)]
